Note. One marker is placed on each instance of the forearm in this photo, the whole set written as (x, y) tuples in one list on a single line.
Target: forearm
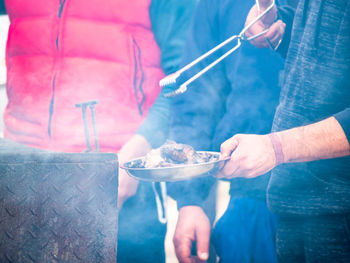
[(322, 140), (135, 147), (155, 128)]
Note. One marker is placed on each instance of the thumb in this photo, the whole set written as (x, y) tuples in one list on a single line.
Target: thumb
[(228, 146)]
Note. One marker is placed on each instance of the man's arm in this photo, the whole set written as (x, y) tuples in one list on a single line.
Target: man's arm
[(135, 147), (322, 140), (169, 31)]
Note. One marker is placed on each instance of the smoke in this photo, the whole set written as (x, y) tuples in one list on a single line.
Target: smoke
[(4, 25), (3, 102)]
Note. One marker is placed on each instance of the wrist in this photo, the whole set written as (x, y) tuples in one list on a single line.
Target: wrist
[(277, 147)]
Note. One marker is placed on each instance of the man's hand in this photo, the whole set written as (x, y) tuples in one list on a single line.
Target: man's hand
[(136, 147), (276, 28), (251, 156), (192, 226), (254, 155)]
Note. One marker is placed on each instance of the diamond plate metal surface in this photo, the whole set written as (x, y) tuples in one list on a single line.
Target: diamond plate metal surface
[(57, 207)]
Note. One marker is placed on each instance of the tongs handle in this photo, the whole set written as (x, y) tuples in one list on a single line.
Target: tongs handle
[(183, 87), (222, 44), (172, 78)]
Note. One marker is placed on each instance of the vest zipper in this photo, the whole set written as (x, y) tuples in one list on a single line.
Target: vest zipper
[(59, 15), (61, 8), (138, 86)]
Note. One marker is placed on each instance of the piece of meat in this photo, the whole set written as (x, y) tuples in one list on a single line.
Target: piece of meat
[(178, 153), (172, 154)]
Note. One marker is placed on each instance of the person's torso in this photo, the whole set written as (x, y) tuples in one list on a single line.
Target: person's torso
[(64, 52), (316, 86)]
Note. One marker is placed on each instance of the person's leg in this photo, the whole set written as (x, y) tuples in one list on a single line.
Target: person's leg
[(246, 233), (140, 234), (327, 239)]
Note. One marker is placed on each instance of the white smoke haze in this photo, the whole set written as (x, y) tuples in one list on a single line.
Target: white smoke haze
[(3, 102), (4, 26)]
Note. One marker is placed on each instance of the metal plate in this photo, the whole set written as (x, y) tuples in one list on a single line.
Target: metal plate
[(174, 173)]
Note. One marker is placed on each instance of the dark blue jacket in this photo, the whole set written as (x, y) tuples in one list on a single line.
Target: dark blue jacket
[(239, 95)]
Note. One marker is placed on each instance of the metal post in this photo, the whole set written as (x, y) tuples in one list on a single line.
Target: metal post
[(94, 126), (83, 106)]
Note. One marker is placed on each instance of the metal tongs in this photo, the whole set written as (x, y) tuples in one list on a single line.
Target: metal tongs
[(171, 79)]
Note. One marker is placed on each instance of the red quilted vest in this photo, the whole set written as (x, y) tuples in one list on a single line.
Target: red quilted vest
[(63, 52)]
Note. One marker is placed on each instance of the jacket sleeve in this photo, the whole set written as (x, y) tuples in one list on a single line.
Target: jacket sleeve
[(155, 128), (170, 20), (196, 112), (2, 7), (343, 118), (285, 11)]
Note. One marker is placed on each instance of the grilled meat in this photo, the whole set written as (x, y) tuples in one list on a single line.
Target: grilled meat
[(172, 154)]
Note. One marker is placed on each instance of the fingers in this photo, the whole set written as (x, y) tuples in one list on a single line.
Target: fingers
[(276, 30), (183, 250), (275, 33), (252, 157), (230, 169), (226, 149), (193, 227), (203, 237), (183, 236), (229, 146)]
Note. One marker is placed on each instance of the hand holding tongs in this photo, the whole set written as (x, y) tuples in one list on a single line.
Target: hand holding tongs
[(171, 79)]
